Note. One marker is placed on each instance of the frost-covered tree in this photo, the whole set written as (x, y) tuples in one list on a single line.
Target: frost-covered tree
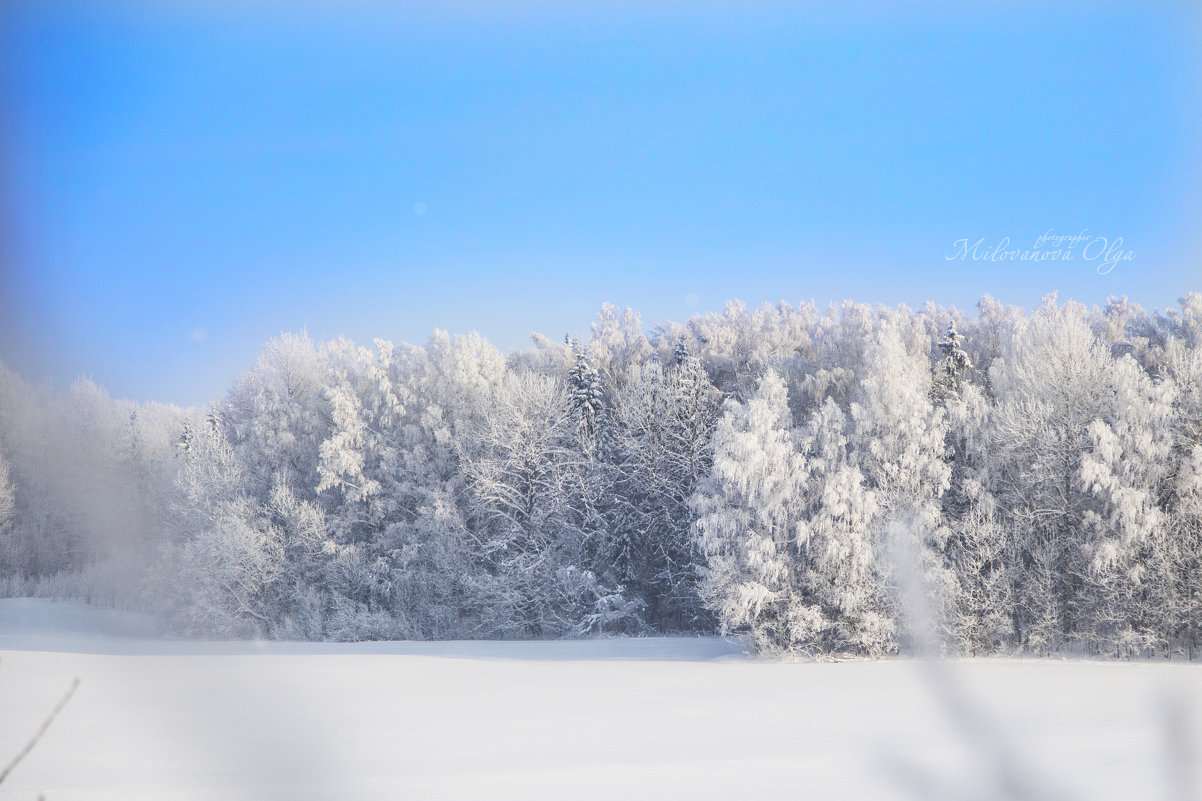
[(395, 544), (664, 424), (414, 532), (748, 519), (990, 335), (618, 346), (342, 458), (839, 544), (276, 417), (898, 443), (980, 556), (587, 395), (1181, 556), (1053, 383), (1125, 471), (459, 375), (523, 478), (8, 505), (224, 556), (981, 553), (953, 366), (301, 606), (8, 500)]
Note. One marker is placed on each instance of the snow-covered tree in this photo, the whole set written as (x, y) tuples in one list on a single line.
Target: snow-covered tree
[(664, 424), (618, 346), (1182, 546), (342, 459), (587, 395), (1052, 384), (980, 550), (1126, 470), (839, 544), (225, 556), (748, 520), (408, 533), (524, 482), (276, 417), (952, 366), (898, 443), (8, 499)]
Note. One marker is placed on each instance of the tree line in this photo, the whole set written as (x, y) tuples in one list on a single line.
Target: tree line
[(814, 480)]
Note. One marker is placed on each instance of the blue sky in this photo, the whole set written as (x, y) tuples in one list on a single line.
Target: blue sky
[(183, 182)]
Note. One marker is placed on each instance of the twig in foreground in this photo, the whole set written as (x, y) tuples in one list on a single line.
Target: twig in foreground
[(41, 731)]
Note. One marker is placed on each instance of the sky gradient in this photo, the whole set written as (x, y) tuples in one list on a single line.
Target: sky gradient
[(181, 184)]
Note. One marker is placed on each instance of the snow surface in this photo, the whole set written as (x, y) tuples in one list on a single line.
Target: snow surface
[(605, 719)]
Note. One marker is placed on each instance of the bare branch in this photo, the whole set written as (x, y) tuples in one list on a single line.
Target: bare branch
[(40, 732)]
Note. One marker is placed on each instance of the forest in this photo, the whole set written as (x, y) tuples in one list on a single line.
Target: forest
[(785, 474)]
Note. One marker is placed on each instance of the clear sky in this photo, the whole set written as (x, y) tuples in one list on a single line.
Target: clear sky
[(182, 182)]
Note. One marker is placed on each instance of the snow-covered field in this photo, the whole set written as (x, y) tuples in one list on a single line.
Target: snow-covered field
[(611, 719)]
